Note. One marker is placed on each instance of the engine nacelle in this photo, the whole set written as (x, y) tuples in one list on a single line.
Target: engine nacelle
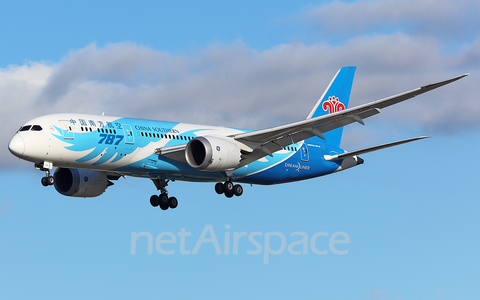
[(212, 154), (80, 183)]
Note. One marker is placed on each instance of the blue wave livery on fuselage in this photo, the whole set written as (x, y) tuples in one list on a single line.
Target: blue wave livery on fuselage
[(90, 150)]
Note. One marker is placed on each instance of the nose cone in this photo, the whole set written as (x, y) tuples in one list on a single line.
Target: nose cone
[(17, 146)]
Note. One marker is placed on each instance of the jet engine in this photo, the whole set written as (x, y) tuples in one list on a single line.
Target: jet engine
[(80, 183), (212, 154)]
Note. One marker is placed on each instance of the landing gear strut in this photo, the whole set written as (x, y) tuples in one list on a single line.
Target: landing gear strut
[(229, 189), (162, 200), (45, 167)]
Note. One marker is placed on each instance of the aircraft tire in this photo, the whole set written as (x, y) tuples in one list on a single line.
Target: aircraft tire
[(45, 181), (238, 190), (154, 199), (163, 198), (172, 202), (163, 206), (227, 187), (50, 180), (229, 194), (219, 188)]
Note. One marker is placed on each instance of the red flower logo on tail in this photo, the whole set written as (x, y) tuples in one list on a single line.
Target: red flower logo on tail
[(333, 105)]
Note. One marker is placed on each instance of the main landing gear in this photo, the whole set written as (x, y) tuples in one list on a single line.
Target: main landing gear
[(45, 167), (229, 189), (162, 200)]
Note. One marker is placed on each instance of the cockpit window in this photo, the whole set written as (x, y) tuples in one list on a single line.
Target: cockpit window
[(36, 128), (25, 128)]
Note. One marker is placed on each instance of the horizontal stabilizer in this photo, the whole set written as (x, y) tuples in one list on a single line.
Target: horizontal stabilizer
[(370, 149)]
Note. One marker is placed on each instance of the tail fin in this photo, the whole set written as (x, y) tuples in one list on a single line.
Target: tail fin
[(335, 98)]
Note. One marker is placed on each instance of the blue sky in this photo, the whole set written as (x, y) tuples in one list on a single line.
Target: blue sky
[(410, 212)]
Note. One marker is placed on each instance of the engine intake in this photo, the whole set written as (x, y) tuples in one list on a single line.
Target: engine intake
[(80, 183), (212, 154)]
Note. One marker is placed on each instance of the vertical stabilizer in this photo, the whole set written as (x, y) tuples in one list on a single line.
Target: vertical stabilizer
[(335, 98)]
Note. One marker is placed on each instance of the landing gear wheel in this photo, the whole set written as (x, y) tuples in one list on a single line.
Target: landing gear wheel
[(163, 201), (172, 202), (50, 180), (45, 181), (227, 187), (228, 194), (219, 188), (238, 190), (163, 198), (154, 200), (163, 206)]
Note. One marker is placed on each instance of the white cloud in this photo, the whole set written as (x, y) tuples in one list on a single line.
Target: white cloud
[(237, 86), (451, 20)]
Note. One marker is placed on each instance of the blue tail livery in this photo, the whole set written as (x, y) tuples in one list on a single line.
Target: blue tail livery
[(334, 99), (88, 152)]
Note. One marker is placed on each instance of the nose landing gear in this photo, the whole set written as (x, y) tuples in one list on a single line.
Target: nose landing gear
[(46, 167)]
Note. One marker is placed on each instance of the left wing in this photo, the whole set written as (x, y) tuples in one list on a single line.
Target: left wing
[(259, 143), (319, 125), (273, 139)]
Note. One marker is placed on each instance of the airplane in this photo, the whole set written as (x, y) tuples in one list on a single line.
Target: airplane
[(89, 151)]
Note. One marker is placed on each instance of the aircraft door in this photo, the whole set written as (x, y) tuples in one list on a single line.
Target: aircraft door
[(304, 152), (129, 138), (66, 129)]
